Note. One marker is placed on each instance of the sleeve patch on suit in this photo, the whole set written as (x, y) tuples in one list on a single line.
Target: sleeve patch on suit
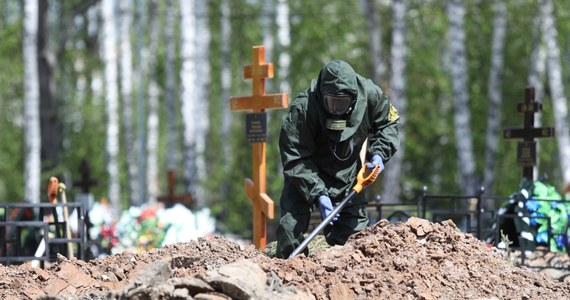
[(393, 114)]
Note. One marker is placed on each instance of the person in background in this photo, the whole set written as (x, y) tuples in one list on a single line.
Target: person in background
[(320, 142)]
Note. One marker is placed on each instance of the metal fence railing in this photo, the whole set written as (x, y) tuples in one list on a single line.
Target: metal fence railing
[(478, 215), (25, 226)]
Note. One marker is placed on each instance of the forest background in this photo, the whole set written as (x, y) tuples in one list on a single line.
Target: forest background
[(137, 88)]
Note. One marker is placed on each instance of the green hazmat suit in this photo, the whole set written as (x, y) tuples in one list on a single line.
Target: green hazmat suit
[(320, 161)]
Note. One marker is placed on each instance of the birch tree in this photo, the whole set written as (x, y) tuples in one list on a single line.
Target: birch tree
[(495, 98), (267, 32), (153, 106), (459, 83), (226, 82), (153, 123), (188, 95), (536, 76), (559, 101), (111, 101), (284, 43), (374, 28), (32, 138), (172, 154), (537, 63), (126, 68), (399, 50), (141, 101), (202, 44)]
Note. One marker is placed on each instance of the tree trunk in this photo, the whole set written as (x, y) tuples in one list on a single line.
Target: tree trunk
[(188, 95), (203, 114), (153, 106), (126, 67), (226, 84), (267, 31), (374, 39), (495, 98), (559, 102), (459, 81), (51, 127), (284, 61), (111, 101), (172, 112), (32, 136), (141, 103), (153, 123), (536, 77), (284, 42), (391, 183)]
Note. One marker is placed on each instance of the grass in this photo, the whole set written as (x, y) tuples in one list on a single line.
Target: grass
[(317, 244)]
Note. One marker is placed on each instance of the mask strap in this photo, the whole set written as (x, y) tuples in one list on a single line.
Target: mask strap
[(333, 150)]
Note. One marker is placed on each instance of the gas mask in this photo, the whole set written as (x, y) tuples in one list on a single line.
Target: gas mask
[(338, 107)]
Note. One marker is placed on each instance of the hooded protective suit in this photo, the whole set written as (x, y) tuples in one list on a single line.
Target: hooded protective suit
[(320, 158)]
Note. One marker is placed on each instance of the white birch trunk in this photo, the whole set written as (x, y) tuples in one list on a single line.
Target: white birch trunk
[(536, 77), (141, 84), (112, 102), (268, 42), (284, 42), (126, 68), (267, 32), (202, 44), (459, 81), (537, 65), (172, 154), (559, 102), (153, 123), (374, 28), (391, 183), (188, 95), (32, 138), (495, 98), (226, 82), (153, 106)]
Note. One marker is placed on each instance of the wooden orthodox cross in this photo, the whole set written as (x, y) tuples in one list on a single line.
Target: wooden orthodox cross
[(256, 130), (172, 198), (86, 181), (526, 150)]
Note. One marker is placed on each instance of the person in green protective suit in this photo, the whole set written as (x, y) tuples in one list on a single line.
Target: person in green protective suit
[(320, 142)]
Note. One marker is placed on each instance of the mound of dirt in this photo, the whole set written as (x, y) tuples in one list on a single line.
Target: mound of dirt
[(412, 260)]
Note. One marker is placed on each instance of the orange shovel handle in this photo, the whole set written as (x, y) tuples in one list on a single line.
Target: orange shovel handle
[(361, 181), (52, 189)]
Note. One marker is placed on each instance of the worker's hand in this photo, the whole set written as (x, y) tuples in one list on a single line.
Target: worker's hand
[(375, 161), (325, 206)]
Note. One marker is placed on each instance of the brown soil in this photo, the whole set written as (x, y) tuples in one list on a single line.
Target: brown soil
[(412, 260)]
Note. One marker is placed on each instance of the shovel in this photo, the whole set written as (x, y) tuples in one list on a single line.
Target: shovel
[(52, 195), (61, 190), (361, 183)]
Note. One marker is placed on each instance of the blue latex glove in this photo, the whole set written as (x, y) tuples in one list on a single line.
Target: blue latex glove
[(375, 161), (325, 206)]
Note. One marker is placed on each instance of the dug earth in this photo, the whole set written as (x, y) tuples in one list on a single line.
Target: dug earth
[(413, 260)]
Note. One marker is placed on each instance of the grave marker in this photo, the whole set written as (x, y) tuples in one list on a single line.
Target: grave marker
[(86, 181), (256, 130), (171, 198), (526, 149)]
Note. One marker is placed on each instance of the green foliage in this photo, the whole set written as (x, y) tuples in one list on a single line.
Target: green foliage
[(11, 107)]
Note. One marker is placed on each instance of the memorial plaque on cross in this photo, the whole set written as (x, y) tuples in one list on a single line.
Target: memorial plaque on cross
[(526, 150), (255, 131), (171, 198)]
